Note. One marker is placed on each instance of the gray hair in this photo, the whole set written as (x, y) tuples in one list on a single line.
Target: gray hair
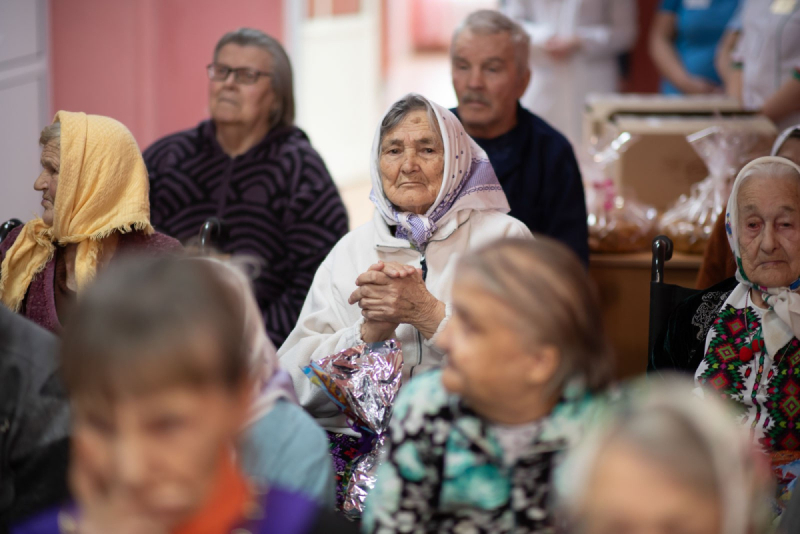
[(399, 111), (696, 442), (135, 328), (282, 113), (49, 133), (546, 285), (491, 22)]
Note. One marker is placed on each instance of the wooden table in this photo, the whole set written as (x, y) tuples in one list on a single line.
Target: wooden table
[(623, 283)]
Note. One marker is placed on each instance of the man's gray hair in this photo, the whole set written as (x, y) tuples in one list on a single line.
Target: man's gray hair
[(399, 111), (282, 113), (491, 22)]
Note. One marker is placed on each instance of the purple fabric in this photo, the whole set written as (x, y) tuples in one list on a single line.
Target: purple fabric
[(40, 302), (344, 449), (284, 512)]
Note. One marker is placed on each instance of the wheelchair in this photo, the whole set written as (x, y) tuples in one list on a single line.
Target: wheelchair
[(663, 297)]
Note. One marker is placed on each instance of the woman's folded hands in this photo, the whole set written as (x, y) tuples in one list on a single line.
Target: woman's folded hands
[(390, 294)]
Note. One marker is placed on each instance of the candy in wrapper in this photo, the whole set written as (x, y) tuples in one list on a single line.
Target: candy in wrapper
[(362, 479), (363, 381)]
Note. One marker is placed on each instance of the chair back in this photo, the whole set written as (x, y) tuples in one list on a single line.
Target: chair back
[(210, 237), (664, 298), (7, 226)]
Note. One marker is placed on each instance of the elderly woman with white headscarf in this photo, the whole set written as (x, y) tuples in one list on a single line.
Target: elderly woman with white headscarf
[(718, 263), (437, 197), (741, 338)]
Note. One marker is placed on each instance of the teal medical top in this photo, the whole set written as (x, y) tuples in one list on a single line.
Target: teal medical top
[(699, 28)]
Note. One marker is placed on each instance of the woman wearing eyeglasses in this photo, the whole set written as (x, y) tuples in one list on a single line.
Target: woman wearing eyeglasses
[(253, 169)]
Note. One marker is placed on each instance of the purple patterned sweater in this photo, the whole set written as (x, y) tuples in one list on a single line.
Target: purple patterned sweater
[(40, 304), (276, 202)]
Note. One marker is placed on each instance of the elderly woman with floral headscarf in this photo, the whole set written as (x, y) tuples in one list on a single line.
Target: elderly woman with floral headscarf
[(740, 338), (437, 197), (718, 263), (95, 197)]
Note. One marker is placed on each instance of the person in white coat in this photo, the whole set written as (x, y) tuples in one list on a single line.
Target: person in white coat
[(767, 60), (437, 197), (575, 48)]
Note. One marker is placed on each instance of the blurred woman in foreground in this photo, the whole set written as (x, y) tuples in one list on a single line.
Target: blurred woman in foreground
[(669, 463), (159, 379), (473, 446)]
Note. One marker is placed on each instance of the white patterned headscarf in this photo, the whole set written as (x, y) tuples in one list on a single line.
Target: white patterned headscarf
[(783, 137), (782, 320), (469, 182)]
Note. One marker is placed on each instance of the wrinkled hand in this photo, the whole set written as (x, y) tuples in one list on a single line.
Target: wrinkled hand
[(562, 48), (390, 294), (105, 507)]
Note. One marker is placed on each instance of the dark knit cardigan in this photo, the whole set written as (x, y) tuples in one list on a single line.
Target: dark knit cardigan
[(276, 201)]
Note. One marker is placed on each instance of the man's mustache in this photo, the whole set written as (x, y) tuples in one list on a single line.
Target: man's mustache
[(468, 98)]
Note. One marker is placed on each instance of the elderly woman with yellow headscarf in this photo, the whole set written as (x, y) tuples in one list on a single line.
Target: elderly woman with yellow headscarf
[(95, 197)]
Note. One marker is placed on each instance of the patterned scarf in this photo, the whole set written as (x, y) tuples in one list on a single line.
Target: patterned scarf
[(782, 321), (469, 182)]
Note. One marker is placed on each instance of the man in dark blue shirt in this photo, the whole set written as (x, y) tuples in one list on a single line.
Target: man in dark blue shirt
[(534, 162)]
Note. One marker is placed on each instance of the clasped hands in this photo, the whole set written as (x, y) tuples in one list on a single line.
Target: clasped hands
[(390, 294)]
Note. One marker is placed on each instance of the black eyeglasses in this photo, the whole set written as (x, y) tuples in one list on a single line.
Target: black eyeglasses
[(243, 75)]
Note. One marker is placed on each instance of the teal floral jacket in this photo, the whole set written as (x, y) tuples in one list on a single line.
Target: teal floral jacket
[(443, 470)]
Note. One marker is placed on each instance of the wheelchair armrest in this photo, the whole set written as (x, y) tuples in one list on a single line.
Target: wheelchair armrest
[(662, 253)]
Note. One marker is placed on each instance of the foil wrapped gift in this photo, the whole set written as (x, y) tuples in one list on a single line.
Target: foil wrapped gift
[(363, 381)]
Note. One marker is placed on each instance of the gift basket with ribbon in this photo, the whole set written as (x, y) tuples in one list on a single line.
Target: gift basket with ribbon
[(363, 382)]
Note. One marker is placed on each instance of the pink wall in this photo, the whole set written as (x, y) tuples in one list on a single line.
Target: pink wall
[(143, 62)]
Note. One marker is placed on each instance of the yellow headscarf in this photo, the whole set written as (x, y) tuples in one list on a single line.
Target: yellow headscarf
[(102, 188)]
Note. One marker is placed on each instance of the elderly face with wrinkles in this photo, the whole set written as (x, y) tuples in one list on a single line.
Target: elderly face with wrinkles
[(411, 163), (769, 229), (47, 182)]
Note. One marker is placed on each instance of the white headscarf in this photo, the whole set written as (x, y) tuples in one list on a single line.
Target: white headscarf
[(783, 137), (469, 182), (270, 382), (782, 320)]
